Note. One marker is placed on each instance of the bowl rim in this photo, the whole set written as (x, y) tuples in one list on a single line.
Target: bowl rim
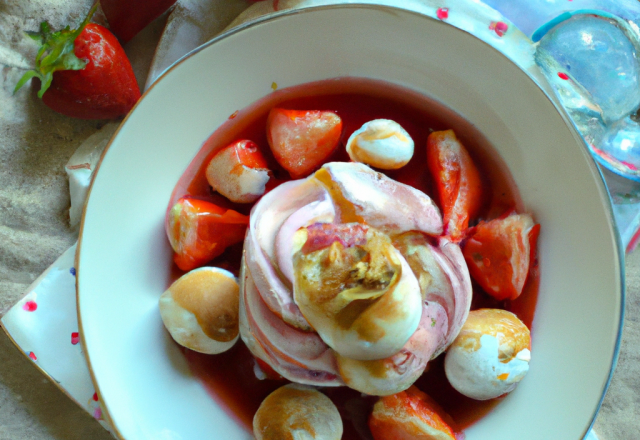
[(538, 80)]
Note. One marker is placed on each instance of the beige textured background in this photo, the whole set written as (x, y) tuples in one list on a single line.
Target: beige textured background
[(35, 144)]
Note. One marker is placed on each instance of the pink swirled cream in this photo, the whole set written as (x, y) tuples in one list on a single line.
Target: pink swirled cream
[(346, 280)]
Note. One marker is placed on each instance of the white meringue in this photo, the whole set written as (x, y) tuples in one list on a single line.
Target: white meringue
[(490, 356), (381, 143), (201, 309)]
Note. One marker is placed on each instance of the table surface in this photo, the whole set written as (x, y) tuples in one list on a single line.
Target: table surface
[(35, 144)]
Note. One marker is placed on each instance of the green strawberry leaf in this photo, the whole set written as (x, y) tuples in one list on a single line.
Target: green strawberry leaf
[(26, 77), (56, 53), (37, 36), (45, 83), (45, 29)]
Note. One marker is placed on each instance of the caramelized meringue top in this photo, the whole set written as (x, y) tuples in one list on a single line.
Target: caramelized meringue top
[(295, 412)]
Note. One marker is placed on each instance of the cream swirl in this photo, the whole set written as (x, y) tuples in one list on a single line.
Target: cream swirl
[(334, 291)]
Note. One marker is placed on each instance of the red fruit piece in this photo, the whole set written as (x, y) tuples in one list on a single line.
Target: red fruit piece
[(302, 140), (84, 73), (409, 415), (499, 253), (457, 181), (200, 231), (239, 172), (126, 18)]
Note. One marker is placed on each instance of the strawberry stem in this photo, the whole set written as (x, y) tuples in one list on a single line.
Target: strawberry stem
[(56, 53)]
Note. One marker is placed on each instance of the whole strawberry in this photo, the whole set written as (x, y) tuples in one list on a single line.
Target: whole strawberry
[(84, 73)]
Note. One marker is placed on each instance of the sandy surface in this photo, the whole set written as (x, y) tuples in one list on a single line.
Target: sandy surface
[(34, 147), (35, 143)]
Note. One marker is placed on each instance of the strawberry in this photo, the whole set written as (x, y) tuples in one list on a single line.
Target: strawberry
[(126, 18), (457, 181), (84, 73), (199, 231), (409, 415), (499, 254), (302, 140), (239, 172)]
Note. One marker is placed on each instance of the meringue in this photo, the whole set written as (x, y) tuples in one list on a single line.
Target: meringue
[(381, 143), (490, 355), (363, 301), (333, 293), (200, 310), (297, 412)]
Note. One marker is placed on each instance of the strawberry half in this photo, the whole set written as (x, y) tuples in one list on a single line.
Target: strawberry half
[(302, 140), (199, 231), (409, 415), (84, 73), (457, 181), (499, 254), (239, 172)]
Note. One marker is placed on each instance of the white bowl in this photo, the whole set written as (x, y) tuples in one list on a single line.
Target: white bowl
[(124, 257)]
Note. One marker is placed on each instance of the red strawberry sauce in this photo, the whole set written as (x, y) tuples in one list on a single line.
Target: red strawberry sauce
[(229, 377)]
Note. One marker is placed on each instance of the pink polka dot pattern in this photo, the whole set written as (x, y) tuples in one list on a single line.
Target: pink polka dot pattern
[(33, 356), (30, 306), (499, 27), (563, 75), (75, 338), (442, 13)]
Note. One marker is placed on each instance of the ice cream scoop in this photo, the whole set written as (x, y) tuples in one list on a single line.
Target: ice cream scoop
[(381, 143), (490, 355), (201, 308)]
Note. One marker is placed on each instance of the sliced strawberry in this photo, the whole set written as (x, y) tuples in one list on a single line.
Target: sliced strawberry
[(302, 140), (457, 181), (499, 253), (200, 231), (239, 172), (409, 415)]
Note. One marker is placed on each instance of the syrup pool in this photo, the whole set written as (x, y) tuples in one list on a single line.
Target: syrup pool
[(229, 377)]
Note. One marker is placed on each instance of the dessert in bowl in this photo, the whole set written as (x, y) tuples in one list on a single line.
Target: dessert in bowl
[(518, 132)]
